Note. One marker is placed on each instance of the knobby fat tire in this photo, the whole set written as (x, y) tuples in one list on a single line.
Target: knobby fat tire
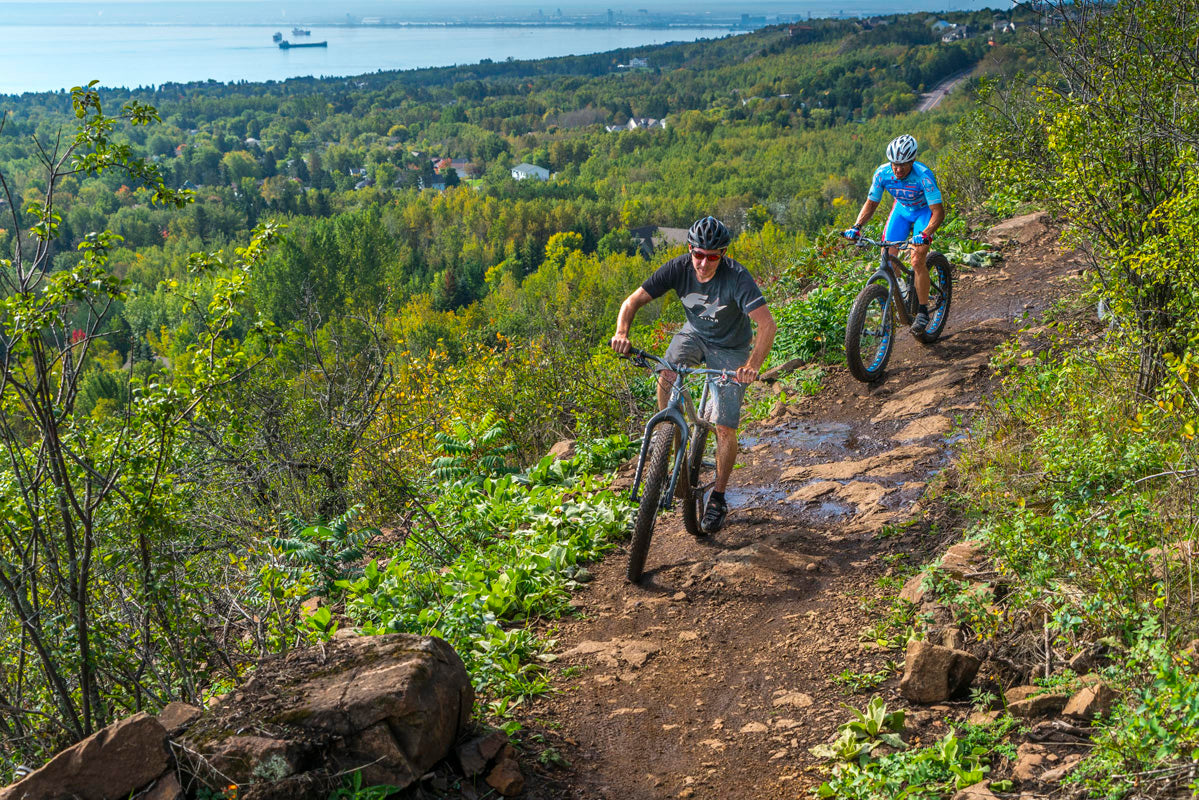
[(938, 262), (693, 506), (651, 494), (874, 292)]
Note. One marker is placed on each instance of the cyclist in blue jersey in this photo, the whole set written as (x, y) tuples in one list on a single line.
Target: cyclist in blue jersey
[(917, 208)]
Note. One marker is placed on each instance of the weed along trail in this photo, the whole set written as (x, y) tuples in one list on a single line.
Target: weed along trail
[(714, 676)]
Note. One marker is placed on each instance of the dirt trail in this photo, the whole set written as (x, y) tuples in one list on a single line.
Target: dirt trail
[(713, 678)]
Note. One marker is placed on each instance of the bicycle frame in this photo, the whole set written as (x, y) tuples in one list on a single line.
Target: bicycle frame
[(681, 412), (886, 273)]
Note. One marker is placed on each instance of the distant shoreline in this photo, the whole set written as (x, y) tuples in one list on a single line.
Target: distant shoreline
[(49, 58), (726, 26)]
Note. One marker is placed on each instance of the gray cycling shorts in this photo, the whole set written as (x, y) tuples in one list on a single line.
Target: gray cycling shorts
[(724, 400)]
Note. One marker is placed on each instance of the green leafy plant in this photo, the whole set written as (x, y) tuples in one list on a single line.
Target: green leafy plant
[(329, 548), (505, 552), (473, 451), (352, 788), (855, 682), (814, 326), (957, 760), (895, 628), (860, 736)]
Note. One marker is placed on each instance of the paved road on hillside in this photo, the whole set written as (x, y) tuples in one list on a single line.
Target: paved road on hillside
[(930, 100)]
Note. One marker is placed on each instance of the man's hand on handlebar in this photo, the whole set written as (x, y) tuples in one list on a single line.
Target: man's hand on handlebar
[(746, 374), (621, 344)]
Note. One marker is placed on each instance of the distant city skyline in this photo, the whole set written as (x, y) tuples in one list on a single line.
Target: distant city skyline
[(269, 11)]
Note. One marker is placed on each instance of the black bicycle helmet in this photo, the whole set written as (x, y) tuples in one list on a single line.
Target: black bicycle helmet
[(709, 233)]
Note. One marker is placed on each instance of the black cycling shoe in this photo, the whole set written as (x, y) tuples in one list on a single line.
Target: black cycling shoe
[(714, 515), (920, 324)]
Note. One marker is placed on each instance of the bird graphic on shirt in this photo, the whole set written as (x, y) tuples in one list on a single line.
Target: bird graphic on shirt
[(700, 304)]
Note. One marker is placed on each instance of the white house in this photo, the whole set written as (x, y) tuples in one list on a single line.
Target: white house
[(645, 123), (955, 33), (522, 171)]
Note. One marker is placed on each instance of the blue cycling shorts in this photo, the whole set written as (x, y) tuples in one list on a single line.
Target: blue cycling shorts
[(905, 220)]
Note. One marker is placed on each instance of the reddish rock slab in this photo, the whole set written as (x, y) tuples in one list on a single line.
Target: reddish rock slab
[(116, 762), (914, 591), (475, 754), (391, 706), (978, 791), (963, 559), (1030, 702), (562, 450), (933, 673), (506, 778), (177, 716), (166, 788), (1095, 699), (1025, 229)]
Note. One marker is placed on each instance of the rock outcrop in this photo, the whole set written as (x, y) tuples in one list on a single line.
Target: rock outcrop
[(1025, 230), (1029, 702), (126, 758), (389, 706)]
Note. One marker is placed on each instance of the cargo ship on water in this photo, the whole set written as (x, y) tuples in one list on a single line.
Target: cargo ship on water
[(286, 45), (298, 31)]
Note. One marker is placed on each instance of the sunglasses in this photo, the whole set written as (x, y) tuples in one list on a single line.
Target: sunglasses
[(700, 255)]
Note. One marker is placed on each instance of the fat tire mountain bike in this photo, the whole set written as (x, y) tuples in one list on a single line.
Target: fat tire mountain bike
[(890, 297), (657, 483)]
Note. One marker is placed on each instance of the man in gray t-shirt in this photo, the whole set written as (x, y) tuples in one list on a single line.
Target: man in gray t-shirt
[(722, 303)]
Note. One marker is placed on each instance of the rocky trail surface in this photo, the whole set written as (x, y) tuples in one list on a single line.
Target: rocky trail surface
[(713, 676)]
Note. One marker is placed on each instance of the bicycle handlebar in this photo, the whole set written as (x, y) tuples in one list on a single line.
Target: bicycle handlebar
[(640, 357), (862, 241)]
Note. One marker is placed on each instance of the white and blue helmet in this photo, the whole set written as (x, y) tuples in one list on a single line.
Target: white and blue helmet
[(902, 149)]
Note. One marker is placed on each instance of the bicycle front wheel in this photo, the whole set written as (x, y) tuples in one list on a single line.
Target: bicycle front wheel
[(699, 475), (941, 292), (869, 333), (651, 497)]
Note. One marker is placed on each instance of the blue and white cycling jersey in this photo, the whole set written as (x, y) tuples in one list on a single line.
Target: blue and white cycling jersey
[(918, 190)]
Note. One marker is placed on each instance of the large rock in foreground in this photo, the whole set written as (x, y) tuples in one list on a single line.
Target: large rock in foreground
[(391, 706), (119, 761)]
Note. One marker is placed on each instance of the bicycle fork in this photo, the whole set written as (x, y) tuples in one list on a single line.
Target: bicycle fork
[(671, 415), (678, 418)]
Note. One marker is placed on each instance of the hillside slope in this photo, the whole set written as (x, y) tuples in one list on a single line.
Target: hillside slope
[(712, 678)]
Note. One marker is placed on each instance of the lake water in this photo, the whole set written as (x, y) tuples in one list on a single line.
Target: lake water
[(45, 58)]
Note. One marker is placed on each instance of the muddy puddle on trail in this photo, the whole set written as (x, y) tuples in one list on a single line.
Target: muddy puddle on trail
[(754, 496), (748, 497), (805, 435)]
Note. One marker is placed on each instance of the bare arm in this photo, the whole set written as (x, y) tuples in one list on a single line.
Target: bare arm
[(867, 212), (628, 309), (935, 219), (767, 327)]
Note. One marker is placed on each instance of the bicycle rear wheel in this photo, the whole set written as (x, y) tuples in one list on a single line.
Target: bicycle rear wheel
[(940, 274), (869, 333), (651, 497), (699, 475)]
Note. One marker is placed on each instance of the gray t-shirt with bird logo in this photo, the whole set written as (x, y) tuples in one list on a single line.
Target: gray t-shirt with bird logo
[(717, 311)]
